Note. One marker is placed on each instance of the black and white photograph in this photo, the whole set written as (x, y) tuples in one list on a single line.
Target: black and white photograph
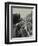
[(20, 22)]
